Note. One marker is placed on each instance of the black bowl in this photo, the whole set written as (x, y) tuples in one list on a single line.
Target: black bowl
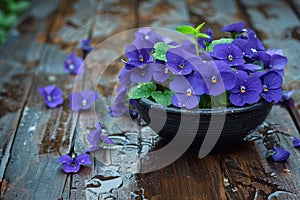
[(230, 125)]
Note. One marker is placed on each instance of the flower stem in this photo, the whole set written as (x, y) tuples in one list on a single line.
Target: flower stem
[(196, 45)]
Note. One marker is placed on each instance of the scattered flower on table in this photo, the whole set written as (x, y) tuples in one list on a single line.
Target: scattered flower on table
[(277, 154), (96, 137), (287, 99), (72, 165), (82, 100), (296, 142), (86, 46), (52, 95), (74, 64)]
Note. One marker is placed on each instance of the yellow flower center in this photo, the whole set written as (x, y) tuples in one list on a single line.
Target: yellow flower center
[(143, 73), (141, 58), (266, 88), (83, 102), (181, 66), (49, 98), (188, 92), (243, 89), (166, 70), (230, 57), (214, 79)]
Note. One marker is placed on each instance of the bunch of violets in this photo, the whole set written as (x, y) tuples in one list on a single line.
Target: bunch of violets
[(238, 66)]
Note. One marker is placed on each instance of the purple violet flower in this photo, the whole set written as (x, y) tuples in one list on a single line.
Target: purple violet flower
[(86, 45), (186, 91), (148, 35), (216, 81), (180, 61), (82, 100), (278, 154), (229, 53), (138, 53), (272, 82), (246, 89), (70, 165), (205, 41), (52, 95), (142, 74), (234, 28), (275, 61), (124, 76), (74, 64), (161, 72), (287, 101), (95, 137), (296, 142)]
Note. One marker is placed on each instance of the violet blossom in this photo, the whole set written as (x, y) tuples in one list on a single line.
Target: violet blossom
[(216, 81), (72, 165), (229, 53), (74, 64), (234, 28), (180, 61), (138, 54), (142, 74), (246, 89), (82, 100), (96, 137), (272, 82), (186, 91), (296, 142), (86, 46), (51, 95), (278, 154)]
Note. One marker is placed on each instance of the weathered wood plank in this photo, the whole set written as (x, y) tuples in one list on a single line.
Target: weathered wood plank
[(163, 14), (14, 88)]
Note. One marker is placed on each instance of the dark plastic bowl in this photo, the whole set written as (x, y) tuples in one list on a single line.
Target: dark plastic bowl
[(238, 122)]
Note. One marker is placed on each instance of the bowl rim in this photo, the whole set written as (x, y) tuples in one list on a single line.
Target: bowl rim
[(208, 111)]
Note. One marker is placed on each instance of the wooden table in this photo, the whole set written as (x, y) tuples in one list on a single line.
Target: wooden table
[(32, 137)]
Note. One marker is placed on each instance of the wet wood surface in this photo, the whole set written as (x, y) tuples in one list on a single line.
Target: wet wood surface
[(32, 137)]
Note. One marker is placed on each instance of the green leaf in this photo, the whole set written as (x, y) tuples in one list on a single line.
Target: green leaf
[(205, 101), (220, 41), (199, 27), (269, 154), (161, 49), (186, 29), (18, 7), (142, 90), (259, 63), (9, 20), (203, 35), (163, 98)]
